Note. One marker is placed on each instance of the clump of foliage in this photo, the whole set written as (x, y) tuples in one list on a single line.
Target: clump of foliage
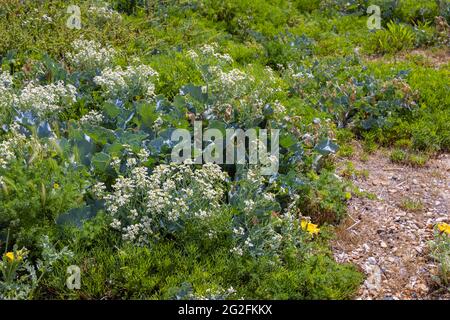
[(440, 252), (396, 37)]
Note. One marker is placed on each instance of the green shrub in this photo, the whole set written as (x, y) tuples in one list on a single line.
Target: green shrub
[(323, 198), (396, 37), (411, 10), (425, 34), (307, 5), (417, 160), (403, 144), (35, 189), (398, 156), (424, 137), (440, 252)]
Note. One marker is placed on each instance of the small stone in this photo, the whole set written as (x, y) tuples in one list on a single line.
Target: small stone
[(373, 281), (383, 244)]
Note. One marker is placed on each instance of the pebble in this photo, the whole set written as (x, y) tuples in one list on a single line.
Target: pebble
[(373, 281), (391, 259)]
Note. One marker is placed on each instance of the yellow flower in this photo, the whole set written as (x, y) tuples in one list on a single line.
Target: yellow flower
[(10, 256), (444, 227), (55, 186), (18, 256), (309, 227)]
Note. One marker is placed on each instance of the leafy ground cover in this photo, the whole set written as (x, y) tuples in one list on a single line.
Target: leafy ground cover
[(86, 116)]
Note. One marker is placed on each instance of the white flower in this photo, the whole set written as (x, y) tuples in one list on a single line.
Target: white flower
[(134, 213), (279, 108), (239, 231), (249, 205), (47, 18), (231, 290), (89, 54), (116, 224), (202, 214), (45, 100), (248, 243), (237, 250), (93, 117), (126, 84), (269, 196), (102, 10), (99, 189), (143, 155), (171, 192), (192, 54), (208, 48), (115, 162), (15, 141), (131, 162)]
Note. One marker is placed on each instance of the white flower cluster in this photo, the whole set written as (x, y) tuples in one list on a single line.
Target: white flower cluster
[(8, 146), (92, 117), (6, 82), (129, 83), (45, 100), (278, 107), (141, 203), (6, 153), (237, 94), (89, 54), (6, 94), (104, 12), (230, 80), (210, 50)]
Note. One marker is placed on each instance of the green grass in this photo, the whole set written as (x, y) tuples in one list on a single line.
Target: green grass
[(412, 205)]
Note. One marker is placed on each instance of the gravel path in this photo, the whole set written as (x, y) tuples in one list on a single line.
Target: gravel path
[(386, 240)]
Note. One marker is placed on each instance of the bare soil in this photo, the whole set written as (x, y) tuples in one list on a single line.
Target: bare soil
[(385, 238)]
